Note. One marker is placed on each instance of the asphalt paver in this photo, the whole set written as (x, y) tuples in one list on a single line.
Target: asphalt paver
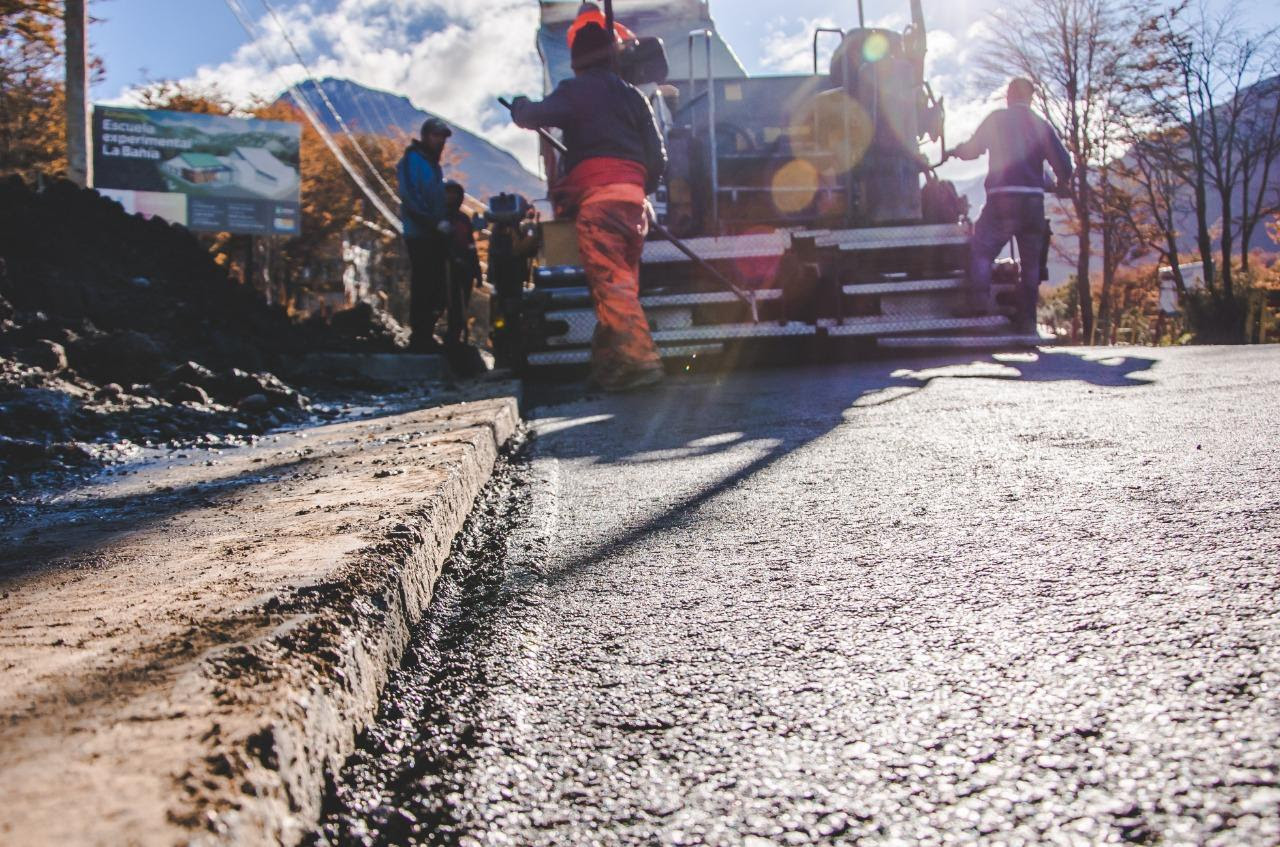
[(1020, 599)]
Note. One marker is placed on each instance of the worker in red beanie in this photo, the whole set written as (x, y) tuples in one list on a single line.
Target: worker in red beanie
[(589, 13), (615, 158)]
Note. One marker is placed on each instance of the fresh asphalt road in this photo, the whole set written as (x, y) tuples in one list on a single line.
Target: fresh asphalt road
[(1025, 599)]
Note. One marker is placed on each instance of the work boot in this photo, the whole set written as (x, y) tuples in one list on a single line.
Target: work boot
[(631, 380)]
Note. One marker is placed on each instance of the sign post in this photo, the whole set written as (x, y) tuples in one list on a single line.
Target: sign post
[(76, 47)]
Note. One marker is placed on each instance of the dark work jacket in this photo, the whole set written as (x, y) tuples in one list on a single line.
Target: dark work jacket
[(421, 184), (1020, 142), (601, 115)]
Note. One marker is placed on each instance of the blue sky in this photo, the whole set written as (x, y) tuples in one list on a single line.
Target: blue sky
[(161, 39), (453, 56)]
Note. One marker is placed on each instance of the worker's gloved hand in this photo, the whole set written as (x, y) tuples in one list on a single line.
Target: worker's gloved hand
[(444, 228), (518, 102)]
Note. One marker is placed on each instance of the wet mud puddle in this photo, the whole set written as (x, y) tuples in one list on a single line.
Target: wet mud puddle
[(130, 472), (402, 784)]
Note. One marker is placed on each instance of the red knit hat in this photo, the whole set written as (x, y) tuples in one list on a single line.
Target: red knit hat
[(591, 46)]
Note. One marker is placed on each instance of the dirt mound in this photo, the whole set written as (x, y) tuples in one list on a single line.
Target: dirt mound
[(116, 329), (75, 261)]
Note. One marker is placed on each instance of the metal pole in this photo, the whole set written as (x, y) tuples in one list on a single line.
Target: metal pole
[(715, 148), (711, 118), (862, 18), (79, 162)]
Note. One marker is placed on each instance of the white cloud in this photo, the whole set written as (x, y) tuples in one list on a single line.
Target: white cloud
[(450, 57), (788, 48)]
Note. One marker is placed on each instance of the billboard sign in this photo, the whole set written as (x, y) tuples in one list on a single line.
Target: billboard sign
[(207, 172)]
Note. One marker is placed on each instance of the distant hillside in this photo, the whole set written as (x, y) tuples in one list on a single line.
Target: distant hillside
[(488, 169)]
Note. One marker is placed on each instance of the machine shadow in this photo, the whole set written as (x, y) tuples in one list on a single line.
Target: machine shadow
[(767, 415)]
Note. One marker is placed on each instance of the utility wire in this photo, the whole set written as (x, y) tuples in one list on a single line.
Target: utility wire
[(342, 124), (305, 107)]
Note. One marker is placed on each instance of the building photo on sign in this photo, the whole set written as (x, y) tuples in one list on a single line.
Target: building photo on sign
[(207, 172)]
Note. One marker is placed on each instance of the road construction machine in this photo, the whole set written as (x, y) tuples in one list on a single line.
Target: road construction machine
[(800, 216)]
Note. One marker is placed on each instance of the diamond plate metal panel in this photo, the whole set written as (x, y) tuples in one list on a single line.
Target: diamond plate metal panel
[(929, 304), (878, 325), (727, 247), (658, 301), (712, 332), (910, 286), (559, 357), (963, 342), (583, 356), (881, 238), (582, 323)]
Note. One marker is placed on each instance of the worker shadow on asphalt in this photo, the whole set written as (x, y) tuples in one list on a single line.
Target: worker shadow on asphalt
[(755, 419)]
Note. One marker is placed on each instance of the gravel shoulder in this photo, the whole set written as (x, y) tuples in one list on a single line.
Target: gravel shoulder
[(188, 647)]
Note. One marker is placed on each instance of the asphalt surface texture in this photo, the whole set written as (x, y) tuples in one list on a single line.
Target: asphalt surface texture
[(1027, 599)]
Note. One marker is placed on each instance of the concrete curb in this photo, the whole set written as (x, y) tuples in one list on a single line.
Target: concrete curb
[(230, 742), (284, 752)]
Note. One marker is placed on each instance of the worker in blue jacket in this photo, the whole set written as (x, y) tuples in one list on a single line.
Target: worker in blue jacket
[(426, 230), (1020, 143)]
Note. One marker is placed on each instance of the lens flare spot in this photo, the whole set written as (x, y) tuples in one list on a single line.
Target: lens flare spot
[(840, 125), (875, 47), (794, 186)]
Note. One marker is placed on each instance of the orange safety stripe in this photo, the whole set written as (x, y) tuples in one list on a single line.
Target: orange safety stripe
[(597, 17)]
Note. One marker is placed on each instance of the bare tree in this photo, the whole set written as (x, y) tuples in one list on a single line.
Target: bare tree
[(1154, 176), (1073, 50), (1259, 154), (1154, 170), (1230, 133)]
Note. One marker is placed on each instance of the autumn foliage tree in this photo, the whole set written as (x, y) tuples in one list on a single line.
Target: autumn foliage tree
[(32, 98), (333, 207)]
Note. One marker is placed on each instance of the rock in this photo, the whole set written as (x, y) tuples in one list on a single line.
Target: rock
[(189, 373), (254, 404), (234, 385), (126, 356), (64, 336), (19, 450), (46, 355), (110, 391), (363, 328), (40, 412), (185, 392)]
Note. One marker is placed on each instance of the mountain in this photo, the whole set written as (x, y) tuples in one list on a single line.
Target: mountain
[(487, 169)]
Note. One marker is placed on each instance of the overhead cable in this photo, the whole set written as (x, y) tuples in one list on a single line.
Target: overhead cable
[(393, 220), (342, 124)]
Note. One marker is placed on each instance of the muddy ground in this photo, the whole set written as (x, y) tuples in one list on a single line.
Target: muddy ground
[(120, 334)]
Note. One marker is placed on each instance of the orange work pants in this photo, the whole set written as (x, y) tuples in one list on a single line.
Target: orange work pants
[(611, 228)]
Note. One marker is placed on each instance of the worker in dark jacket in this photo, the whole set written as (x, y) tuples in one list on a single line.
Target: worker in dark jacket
[(426, 230), (615, 157), (1020, 142), (464, 263)]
